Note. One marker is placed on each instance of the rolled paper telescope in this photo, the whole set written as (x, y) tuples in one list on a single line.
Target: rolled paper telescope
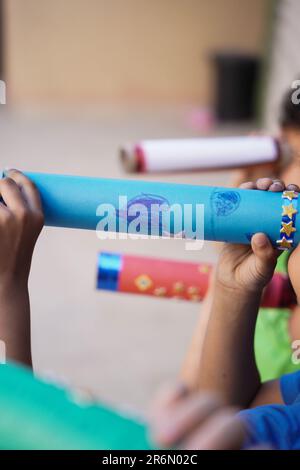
[(202, 153), (36, 415), (153, 276), (175, 279), (168, 210)]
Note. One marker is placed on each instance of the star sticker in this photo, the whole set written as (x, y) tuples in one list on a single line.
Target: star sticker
[(290, 195), (284, 243), (289, 211), (160, 291), (178, 287), (288, 228), (203, 268), (193, 290)]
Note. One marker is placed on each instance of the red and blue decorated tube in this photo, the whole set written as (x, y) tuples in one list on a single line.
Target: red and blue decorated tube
[(174, 279)]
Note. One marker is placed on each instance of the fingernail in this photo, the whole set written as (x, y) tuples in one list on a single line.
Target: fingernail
[(261, 242), (292, 187), (276, 186)]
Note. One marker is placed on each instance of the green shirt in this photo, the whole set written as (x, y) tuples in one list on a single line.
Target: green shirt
[(272, 341)]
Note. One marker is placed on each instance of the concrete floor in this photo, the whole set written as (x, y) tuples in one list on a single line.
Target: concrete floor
[(120, 347)]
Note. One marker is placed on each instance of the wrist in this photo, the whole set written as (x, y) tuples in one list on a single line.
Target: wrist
[(13, 287), (238, 292)]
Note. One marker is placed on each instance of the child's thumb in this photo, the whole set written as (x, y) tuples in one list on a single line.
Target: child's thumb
[(263, 249)]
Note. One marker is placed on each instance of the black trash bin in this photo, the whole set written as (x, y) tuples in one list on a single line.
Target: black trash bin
[(236, 77)]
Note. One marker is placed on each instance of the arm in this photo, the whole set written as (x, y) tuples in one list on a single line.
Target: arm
[(190, 370), (21, 220), (268, 392), (239, 361), (15, 323), (227, 362)]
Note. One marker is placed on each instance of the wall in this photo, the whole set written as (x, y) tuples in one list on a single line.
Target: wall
[(122, 50), (284, 65)]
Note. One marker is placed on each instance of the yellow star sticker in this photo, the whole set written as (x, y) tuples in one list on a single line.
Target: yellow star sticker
[(203, 268), (289, 211), (288, 228), (290, 195), (143, 282), (284, 243), (160, 291), (178, 287), (193, 290)]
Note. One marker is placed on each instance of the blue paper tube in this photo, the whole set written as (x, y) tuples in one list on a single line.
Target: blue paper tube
[(230, 215)]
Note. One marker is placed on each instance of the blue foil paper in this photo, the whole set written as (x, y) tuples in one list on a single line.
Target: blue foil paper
[(109, 267)]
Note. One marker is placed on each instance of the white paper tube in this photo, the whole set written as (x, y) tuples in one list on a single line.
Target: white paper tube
[(199, 153)]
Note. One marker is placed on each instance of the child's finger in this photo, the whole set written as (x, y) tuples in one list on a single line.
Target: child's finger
[(248, 185), (277, 186), (172, 426), (264, 252), (264, 183), (262, 246), (168, 396), (11, 195), (28, 188), (223, 431), (293, 187)]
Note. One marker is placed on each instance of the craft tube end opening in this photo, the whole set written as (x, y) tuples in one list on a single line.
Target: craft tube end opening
[(128, 158)]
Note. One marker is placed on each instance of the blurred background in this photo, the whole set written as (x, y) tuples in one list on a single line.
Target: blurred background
[(83, 77)]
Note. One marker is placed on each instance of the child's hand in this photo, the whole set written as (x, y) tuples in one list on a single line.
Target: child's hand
[(249, 269), (253, 173), (194, 421), (21, 221)]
